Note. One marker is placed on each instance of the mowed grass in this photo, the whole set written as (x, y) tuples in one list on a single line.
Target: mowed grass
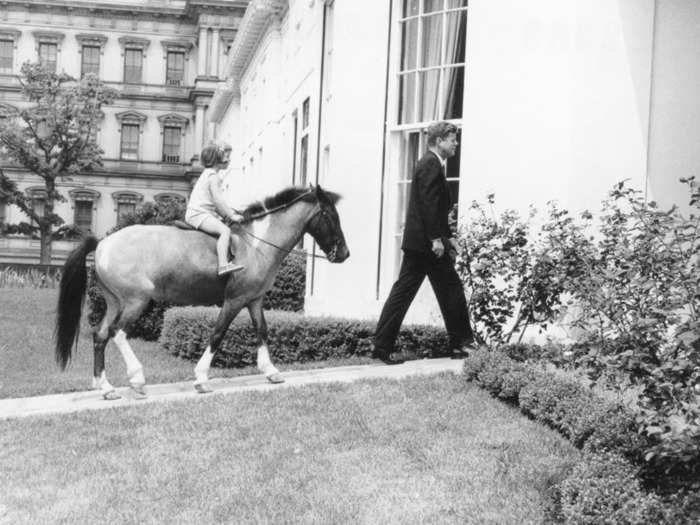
[(421, 450), (28, 367)]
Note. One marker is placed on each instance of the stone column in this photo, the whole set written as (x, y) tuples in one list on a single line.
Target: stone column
[(215, 53), (202, 52), (199, 130)]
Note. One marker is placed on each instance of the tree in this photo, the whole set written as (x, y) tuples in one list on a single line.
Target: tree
[(54, 137)]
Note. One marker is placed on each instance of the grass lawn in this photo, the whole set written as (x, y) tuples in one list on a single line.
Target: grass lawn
[(421, 450), (27, 365)]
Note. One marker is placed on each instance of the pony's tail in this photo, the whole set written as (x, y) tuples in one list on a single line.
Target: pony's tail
[(70, 300)]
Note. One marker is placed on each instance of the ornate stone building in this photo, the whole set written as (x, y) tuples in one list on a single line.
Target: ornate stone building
[(164, 57)]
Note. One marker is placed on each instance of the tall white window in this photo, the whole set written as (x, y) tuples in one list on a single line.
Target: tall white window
[(48, 52), (7, 50), (430, 87), (130, 142)]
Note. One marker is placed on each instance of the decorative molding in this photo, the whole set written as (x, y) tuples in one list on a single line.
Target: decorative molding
[(173, 119), (133, 42), (168, 196), (35, 192), (131, 117), (91, 39), (7, 110), (183, 46), (7, 33), (83, 194), (127, 197), (49, 37)]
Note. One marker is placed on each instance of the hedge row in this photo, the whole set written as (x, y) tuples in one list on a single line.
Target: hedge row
[(287, 293), (292, 337), (607, 486)]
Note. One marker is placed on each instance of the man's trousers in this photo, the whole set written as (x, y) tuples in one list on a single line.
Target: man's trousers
[(449, 292)]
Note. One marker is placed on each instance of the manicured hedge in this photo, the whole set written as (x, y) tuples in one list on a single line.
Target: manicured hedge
[(607, 485), (292, 337)]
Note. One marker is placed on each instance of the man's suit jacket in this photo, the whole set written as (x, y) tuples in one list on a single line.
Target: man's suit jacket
[(429, 206)]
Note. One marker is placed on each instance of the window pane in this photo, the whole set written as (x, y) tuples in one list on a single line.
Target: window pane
[(6, 55), (451, 4), (175, 71), (91, 60), (3, 211), (410, 44), (455, 37), (304, 159), (305, 114), (83, 215), (431, 42), (410, 7), (130, 142), (133, 59), (453, 92), (429, 100), (407, 97), (47, 56), (430, 6), (171, 144), (125, 208)]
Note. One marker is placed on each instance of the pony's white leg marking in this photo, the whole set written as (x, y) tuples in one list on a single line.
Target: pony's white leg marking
[(201, 371), (103, 385), (133, 366), (264, 364)]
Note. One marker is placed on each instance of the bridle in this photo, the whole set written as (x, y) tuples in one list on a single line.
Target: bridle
[(315, 217)]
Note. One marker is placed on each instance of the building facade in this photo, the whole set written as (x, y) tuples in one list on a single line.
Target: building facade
[(163, 57), (554, 99)]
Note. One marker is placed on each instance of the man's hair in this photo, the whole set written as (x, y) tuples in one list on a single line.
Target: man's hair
[(213, 154), (439, 130)]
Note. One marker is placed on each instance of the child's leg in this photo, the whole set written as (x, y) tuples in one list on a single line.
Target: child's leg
[(215, 226)]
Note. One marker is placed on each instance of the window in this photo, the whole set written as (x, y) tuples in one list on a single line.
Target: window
[(133, 65), (175, 69), (431, 70), (295, 133), (38, 205), (83, 215), (171, 144), (124, 209), (304, 144), (3, 212), (126, 202), (48, 52), (7, 48), (90, 61), (130, 142)]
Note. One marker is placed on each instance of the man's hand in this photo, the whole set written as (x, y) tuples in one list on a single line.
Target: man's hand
[(438, 248)]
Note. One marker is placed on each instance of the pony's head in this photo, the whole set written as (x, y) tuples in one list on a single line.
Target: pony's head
[(324, 226)]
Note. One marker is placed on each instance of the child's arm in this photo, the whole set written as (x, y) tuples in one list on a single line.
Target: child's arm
[(216, 190)]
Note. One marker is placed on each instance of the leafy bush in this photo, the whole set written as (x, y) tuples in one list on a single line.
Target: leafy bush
[(287, 292), (604, 488), (292, 337)]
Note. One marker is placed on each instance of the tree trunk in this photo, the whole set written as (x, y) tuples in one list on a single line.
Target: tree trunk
[(45, 226), (45, 245)]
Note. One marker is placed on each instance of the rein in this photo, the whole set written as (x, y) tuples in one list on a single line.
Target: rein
[(266, 212)]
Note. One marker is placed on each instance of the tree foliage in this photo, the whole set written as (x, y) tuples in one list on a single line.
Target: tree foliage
[(53, 137)]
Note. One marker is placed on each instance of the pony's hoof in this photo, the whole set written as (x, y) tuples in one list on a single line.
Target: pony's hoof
[(203, 388), (139, 391), (111, 396), (275, 378)]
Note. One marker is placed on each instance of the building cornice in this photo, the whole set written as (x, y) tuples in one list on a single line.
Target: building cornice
[(164, 9), (254, 23)]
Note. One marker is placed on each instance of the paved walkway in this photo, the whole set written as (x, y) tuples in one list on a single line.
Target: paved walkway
[(92, 399)]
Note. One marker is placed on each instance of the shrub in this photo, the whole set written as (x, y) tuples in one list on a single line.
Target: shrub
[(292, 337), (289, 288), (603, 488)]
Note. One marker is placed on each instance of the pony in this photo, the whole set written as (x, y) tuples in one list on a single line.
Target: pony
[(141, 263)]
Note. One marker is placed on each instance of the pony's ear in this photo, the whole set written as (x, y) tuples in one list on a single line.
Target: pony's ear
[(327, 196)]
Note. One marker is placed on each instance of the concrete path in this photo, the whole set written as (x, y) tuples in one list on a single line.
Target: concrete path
[(92, 399)]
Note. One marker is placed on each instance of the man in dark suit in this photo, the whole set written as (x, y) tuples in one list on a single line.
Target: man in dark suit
[(429, 250)]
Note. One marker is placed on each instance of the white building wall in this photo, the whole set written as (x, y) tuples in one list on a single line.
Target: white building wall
[(557, 100), (675, 123)]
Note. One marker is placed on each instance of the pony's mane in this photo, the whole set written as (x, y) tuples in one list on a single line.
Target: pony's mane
[(279, 199)]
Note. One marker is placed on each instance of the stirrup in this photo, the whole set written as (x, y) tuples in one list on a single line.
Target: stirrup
[(230, 267)]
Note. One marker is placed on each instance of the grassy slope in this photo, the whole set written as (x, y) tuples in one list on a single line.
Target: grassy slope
[(423, 450), (27, 365)]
